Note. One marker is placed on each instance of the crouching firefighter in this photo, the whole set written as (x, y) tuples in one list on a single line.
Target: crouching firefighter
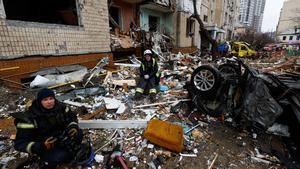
[(49, 130), (149, 76)]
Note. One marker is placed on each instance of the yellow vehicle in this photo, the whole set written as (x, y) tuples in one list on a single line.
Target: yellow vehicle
[(242, 49)]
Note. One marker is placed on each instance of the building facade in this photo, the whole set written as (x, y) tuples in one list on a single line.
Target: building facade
[(66, 28), (226, 18), (289, 16), (187, 29), (38, 35), (157, 16), (291, 36), (251, 13)]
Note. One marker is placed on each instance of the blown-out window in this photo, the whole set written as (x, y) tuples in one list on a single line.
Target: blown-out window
[(190, 27), (284, 38), (44, 11)]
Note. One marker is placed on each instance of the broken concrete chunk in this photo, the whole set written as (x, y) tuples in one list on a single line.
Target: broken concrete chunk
[(99, 158), (111, 103)]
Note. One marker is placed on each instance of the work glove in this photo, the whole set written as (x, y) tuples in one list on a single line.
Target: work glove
[(49, 143), (146, 76), (72, 131)]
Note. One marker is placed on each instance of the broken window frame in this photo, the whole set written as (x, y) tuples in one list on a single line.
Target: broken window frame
[(190, 27), (284, 38), (120, 16), (291, 37), (205, 18), (243, 48), (157, 26), (12, 22)]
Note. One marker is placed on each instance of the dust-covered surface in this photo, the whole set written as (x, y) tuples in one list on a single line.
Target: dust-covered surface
[(216, 143)]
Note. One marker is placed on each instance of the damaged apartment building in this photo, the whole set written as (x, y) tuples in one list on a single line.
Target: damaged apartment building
[(136, 24), (163, 25), (220, 18), (37, 34), (41, 34), (168, 25), (187, 28)]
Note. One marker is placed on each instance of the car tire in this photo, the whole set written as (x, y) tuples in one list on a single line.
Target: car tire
[(205, 80)]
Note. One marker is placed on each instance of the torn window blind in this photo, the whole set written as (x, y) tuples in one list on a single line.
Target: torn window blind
[(2, 11), (163, 2)]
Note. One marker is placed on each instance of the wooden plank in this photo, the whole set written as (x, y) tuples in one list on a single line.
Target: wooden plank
[(161, 103), (112, 124), (95, 113), (213, 162), (127, 65), (9, 68), (122, 82)]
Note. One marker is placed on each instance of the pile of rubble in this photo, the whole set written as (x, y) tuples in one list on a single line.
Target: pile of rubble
[(121, 129)]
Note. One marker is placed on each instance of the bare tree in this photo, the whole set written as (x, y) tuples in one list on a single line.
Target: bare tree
[(203, 31), (257, 40)]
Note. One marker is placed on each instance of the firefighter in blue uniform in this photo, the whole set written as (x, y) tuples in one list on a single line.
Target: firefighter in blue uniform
[(149, 76), (49, 130)]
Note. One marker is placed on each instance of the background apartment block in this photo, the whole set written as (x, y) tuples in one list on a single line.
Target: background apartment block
[(251, 13), (289, 16)]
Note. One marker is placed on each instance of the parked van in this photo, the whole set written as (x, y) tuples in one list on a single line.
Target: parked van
[(242, 49)]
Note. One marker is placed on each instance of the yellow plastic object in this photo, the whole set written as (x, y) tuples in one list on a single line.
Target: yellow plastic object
[(165, 134)]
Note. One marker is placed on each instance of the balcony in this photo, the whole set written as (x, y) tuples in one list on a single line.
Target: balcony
[(164, 6), (134, 1)]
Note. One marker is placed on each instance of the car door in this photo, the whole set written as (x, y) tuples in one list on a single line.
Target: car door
[(244, 51)]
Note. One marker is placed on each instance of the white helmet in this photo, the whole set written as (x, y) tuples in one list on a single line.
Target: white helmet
[(147, 52)]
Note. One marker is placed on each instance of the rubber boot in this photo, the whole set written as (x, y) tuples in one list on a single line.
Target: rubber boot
[(152, 97), (137, 96)]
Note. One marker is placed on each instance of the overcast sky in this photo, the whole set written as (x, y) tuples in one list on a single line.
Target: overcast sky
[(271, 15)]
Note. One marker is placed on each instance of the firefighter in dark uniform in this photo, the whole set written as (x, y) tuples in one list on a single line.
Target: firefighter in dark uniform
[(49, 130), (148, 76)]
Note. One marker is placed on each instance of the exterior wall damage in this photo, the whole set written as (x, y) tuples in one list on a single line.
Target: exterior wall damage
[(187, 28), (20, 38)]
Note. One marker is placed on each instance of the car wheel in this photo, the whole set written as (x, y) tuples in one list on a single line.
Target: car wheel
[(205, 79)]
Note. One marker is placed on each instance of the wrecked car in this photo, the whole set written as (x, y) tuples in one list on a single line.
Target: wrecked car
[(249, 97), (259, 102), (243, 49)]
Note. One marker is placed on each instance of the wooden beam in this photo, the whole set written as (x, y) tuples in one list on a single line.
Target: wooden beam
[(127, 65), (9, 68), (112, 124), (161, 103), (95, 113)]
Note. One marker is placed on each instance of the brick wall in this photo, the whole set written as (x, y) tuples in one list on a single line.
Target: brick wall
[(19, 38)]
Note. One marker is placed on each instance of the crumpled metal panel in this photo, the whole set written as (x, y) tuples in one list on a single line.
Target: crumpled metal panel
[(260, 106)]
